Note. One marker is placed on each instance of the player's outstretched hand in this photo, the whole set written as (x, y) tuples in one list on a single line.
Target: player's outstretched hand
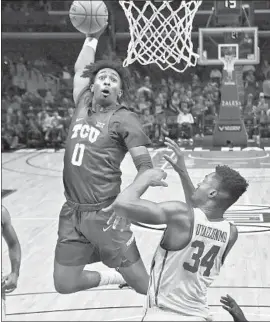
[(155, 177), (97, 34), (179, 163), (233, 308)]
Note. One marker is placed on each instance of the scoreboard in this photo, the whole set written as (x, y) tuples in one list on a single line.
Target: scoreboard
[(228, 7)]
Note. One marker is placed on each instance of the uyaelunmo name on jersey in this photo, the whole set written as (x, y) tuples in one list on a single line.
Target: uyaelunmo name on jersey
[(211, 233)]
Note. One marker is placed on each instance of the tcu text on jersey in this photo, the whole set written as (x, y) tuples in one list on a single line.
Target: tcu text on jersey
[(84, 131)]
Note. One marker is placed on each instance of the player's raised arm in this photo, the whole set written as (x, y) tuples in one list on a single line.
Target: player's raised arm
[(180, 167), (129, 203), (132, 134), (9, 282), (84, 60)]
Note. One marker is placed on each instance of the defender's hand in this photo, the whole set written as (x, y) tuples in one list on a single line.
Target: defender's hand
[(179, 163), (116, 222), (9, 283), (155, 177), (233, 308)]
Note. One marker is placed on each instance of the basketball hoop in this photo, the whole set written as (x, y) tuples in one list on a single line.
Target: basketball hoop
[(160, 34)]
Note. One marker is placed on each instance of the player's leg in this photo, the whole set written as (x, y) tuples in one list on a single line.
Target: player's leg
[(73, 251), (71, 279), (117, 249), (136, 276)]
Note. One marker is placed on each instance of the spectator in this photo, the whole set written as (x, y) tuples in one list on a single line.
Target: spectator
[(215, 76), (20, 77), (30, 113), (174, 105), (265, 68), (250, 83), (266, 88), (198, 111), (147, 83), (67, 121), (145, 90), (262, 105), (171, 84), (148, 121), (44, 122), (195, 84), (163, 86), (20, 126), (190, 98), (49, 97), (7, 72), (56, 130), (164, 131), (248, 113), (7, 7), (160, 109), (66, 77), (143, 103), (185, 123), (9, 138), (34, 137)]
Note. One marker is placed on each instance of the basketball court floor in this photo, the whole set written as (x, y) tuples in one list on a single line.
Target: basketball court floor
[(33, 190)]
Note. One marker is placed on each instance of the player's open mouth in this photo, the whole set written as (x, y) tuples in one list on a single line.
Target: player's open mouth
[(105, 92)]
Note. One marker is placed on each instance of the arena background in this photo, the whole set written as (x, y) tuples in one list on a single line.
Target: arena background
[(39, 48)]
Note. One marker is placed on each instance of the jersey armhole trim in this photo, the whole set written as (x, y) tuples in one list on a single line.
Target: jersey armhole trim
[(223, 256)]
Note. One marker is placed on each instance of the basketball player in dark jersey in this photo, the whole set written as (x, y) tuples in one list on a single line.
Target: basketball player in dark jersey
[(9, 282), (102, 131)]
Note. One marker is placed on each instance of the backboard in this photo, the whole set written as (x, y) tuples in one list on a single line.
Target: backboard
[(214, 42)]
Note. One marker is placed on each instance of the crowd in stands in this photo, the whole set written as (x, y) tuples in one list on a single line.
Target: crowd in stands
[(37, 106)]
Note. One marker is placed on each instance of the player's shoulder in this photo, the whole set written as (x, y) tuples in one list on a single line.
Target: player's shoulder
[(125, 116), (177, 211), (123, 110)]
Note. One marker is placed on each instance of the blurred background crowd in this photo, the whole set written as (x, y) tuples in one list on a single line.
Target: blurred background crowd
[(37, 77)]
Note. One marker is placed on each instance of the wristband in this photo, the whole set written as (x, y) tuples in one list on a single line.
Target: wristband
[(91, 42)]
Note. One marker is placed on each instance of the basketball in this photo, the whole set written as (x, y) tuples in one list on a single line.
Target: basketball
[(88, 17)]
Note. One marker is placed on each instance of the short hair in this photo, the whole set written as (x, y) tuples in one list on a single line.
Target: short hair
[(92, 70), (231, 182)]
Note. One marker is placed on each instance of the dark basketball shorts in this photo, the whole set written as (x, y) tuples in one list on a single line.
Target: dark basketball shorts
[(84, 238)]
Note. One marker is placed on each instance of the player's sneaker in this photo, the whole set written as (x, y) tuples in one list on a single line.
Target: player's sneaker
[(125, 285)]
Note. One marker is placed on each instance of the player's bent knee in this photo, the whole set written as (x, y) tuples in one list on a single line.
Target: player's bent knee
[(65, 278), (62, 284)]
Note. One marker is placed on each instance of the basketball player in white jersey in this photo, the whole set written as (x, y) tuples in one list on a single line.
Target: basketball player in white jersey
[(195, 243), (9, 282)]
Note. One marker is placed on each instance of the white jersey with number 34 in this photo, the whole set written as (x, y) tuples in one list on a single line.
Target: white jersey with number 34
[(179, 279)]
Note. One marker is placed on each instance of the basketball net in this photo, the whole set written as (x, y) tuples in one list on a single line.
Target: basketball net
[(159, 34)]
